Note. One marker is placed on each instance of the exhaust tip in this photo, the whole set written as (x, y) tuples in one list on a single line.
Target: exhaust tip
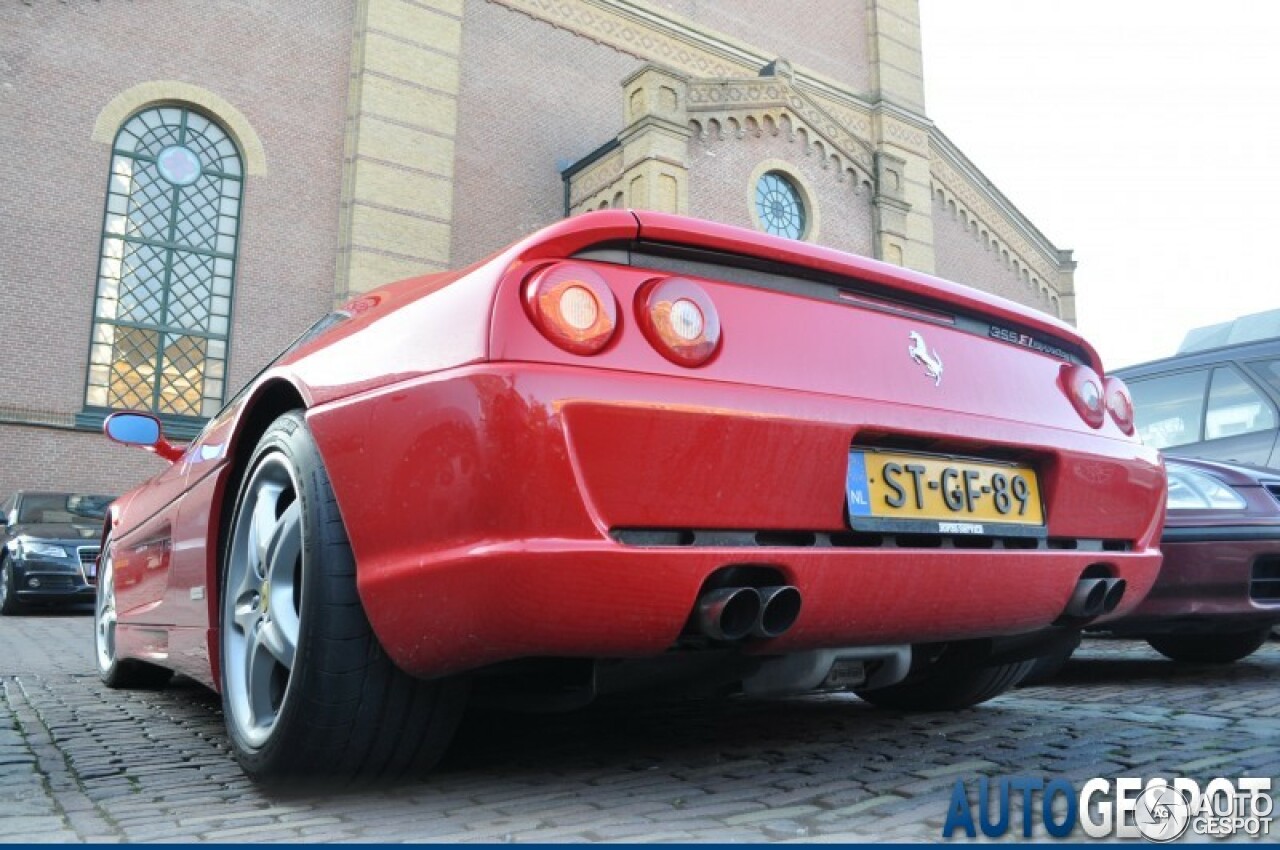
[(1089, 597), (1115, 592), (779, 609), (729, 613)]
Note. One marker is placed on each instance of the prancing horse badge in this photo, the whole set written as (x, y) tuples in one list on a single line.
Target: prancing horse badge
[(931, 362)]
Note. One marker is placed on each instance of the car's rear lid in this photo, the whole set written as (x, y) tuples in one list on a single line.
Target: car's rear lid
[(801, 317)]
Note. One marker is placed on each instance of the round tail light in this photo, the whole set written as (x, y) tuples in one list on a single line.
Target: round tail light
[(1084, 387), (1119, 403), (679, 320), (573, 307)]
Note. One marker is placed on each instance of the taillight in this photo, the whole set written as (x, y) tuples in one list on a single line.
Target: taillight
[(1119, 403), (573, 307), (1084, 387), (679, 320)]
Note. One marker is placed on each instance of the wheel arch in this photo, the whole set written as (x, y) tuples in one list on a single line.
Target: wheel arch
[(269, 402)]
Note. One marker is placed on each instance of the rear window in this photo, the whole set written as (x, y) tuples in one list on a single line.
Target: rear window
[(1168, 408), (1235, 407), (1268, 371)]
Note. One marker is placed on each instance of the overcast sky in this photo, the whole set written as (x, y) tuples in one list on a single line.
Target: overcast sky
[(1143, 135)]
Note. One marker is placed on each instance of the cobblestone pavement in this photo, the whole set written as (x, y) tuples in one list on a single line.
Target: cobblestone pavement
[(80, 762)]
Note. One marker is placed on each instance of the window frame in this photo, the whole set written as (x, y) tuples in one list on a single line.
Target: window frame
[(783, 179), (789, 172)]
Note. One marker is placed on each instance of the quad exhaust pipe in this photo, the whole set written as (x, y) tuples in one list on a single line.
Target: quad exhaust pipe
[(779, 608), (1094, 597), (733, 613)]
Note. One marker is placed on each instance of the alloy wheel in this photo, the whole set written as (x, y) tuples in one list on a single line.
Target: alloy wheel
[(104, 620), (262, 599)]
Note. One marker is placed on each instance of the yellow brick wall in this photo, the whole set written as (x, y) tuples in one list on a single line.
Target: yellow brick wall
[(398, 187)]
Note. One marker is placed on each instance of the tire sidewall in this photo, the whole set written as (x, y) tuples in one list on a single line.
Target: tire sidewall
[(106, 674), (289, 437), (7, 605), (1210, 648)]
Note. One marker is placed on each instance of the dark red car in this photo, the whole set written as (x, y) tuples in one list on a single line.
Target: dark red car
[(1218, 594), (631, 451)]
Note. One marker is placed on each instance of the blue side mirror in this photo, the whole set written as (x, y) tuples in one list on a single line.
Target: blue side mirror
[(132, 429)]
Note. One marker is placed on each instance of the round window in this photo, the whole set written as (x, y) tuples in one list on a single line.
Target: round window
[(179, 165), (779, 206)]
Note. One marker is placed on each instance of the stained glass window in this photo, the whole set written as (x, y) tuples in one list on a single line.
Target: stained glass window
[(163, 308), (779, 206)]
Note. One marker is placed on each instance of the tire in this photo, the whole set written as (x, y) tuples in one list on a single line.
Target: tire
[(10, 605), (1223, 648), (1047, 667), (307, 689), (952, 681), (116, 672)]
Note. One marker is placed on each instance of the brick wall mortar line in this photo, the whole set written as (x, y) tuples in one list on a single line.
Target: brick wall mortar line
[(397, 37)]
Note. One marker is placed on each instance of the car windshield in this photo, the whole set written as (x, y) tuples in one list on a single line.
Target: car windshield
[(62, 507)]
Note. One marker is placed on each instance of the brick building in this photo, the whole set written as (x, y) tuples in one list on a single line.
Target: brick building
[(189, 185)]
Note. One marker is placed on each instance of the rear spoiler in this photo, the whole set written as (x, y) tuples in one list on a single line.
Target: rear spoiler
[(617, 235)]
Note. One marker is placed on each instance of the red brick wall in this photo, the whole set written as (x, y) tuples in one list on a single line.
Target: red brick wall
[(960, 255), (721, 167), (75, 461), (826, 36), (61, 63), (533, 99)]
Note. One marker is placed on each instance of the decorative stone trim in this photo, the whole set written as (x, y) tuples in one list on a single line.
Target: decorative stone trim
[(643, 33), (739, 102), (159, 92), (1001, 227), (595, 180), (647, 165)]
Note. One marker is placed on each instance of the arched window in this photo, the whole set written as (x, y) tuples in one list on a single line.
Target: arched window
[(163, 309)]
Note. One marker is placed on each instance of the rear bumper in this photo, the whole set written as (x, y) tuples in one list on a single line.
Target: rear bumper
[(1208, 578), (483, 505)]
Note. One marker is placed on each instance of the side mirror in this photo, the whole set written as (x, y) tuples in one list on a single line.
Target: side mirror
[(140, 429)]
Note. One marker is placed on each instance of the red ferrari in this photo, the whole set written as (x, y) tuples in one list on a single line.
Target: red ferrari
[(631, 451)]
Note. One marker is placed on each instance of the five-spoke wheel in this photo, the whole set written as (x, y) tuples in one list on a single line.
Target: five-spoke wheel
[(306, 687), (262, 617), (104, 618)]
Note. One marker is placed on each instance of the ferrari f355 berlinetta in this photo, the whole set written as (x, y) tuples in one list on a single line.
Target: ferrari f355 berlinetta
[(631, 451)]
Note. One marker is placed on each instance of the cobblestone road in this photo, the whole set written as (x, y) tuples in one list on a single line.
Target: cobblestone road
[(80, 762)]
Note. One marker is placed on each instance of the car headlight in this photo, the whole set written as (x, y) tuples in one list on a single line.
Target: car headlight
[(34, 547), (1191, 490)]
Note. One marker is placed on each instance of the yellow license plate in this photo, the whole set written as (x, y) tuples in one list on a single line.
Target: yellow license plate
[(942, 495)]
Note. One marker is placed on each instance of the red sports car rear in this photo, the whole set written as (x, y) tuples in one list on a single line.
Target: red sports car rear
[(640, 448)]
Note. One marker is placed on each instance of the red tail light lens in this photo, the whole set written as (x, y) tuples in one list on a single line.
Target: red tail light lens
[(573, 307), (679, 320), (1084, 387), (1119, 403)]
